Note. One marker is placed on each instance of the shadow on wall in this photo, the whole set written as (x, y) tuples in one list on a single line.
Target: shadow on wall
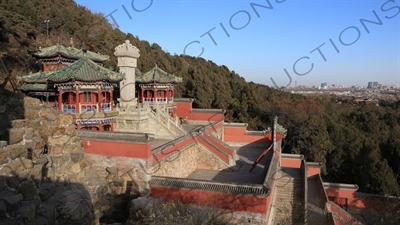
[(45, 177), (11, 108), (38, 201), (370, 210)]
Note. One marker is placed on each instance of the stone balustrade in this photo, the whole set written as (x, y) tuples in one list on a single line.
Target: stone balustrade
[(228, 188)]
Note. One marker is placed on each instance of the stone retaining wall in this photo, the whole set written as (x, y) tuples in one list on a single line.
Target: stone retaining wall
[(45, 177)]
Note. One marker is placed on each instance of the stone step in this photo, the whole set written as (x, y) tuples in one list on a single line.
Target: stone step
[(288, 178), (298, 198), (290, 192)]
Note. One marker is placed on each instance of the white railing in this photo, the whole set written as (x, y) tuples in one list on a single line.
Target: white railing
[(158, 100), (161, 100), (149, 100), (88, 108), (163, 117), (106, 107), (69, 108)]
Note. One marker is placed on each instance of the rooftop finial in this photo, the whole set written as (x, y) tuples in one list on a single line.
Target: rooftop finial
[(58, 40), (71, 42), (84, 50)]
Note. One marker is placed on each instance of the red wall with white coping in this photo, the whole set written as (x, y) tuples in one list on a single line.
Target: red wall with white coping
[(173, 148), (184, 110), (238, 135), (339, 195), (218, 200), (291, 163), (125, 149)]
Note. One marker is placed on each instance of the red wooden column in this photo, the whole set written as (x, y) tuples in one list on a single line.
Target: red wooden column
[(60, 104), (99, 100), (112, 126), (111, 99), (173, 95), (101, 127), (77, 100), (167, 95), (155, 95), (142, 89)]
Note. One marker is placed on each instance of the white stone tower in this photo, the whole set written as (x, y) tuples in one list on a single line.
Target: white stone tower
[(127, 62)]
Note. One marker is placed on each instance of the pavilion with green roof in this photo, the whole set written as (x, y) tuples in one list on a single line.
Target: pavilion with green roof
[(156, 86), (58, 56), (80, 88)]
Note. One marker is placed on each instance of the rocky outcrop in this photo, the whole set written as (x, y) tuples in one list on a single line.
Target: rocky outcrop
[(45, 177), (39, 165)]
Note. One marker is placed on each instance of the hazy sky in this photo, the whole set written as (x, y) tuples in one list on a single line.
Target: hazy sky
[(331, 40)]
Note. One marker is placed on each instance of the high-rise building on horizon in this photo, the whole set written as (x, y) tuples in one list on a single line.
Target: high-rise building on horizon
[(372, 84)]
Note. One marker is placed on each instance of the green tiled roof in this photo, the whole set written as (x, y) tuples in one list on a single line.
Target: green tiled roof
[(68, 52), (33, 87), (39, 77), (157, 75), (84, 70)]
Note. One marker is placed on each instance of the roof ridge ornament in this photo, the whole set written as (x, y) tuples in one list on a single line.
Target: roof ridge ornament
[(71, 43)]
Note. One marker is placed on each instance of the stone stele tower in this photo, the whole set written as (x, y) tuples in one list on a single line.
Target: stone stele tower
[(127, 55)]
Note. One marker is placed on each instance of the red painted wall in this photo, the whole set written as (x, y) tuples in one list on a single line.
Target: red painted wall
[(217, 144), (237, 131), (125, 149), (339, 195), (311, 171), (291, 163), (215, 126), (238, 135), (203, 116), (172, 149), (343, 215), (184, 109), (343, 193), (213, 199), (215, 152)]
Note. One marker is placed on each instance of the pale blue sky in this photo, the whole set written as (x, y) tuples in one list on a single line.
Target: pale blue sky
[(273, 39)]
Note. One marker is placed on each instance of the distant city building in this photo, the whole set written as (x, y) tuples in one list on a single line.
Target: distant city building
[(372, 85)]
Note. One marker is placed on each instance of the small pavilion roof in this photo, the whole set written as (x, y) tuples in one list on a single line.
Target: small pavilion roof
[(68, 52), (84, 70), (33, 87), (157, 75), (35, 78)]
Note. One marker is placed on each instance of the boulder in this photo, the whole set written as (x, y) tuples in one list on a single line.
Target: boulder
[(3, 156), (15, 135), (13, 201), (28, 213), (21, 123), (28, 189), (17, 151)]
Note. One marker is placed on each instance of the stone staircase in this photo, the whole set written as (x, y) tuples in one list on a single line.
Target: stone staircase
[(288, 202), (219, 154), (162, 124)]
